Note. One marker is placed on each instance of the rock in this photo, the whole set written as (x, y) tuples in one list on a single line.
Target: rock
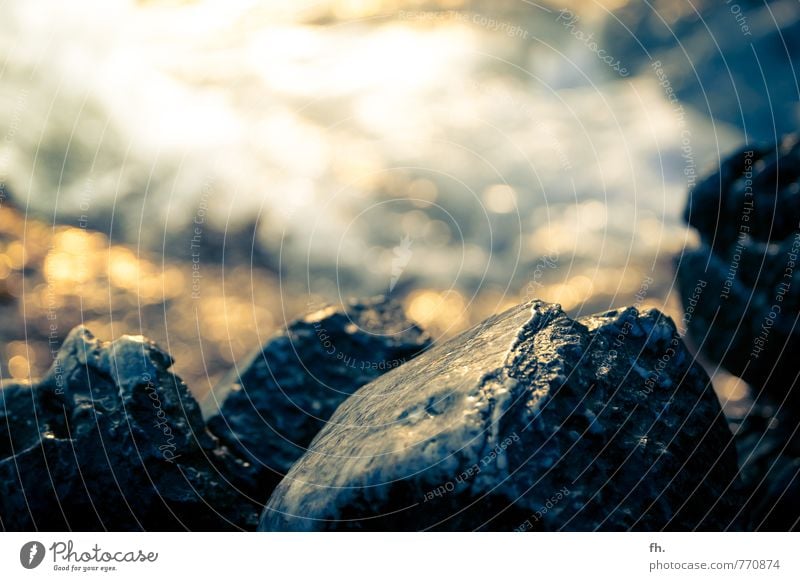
[(741, 287), (741, 294), (110, 439), (529, 421), (769, 453), (732, 61), (275, 404)]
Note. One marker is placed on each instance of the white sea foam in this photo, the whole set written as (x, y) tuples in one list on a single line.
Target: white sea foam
[(327, 130)]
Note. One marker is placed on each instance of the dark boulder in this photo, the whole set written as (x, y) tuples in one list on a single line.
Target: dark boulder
[(529, 421), (741, 286), (768, 443), (274, 405), (110, 439)]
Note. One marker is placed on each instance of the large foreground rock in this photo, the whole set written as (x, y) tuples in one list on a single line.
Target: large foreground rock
[(110, 439), (741, 287), (530, 421), (274, 405)]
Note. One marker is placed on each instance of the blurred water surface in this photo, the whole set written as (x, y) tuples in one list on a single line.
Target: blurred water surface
[(259, 157)]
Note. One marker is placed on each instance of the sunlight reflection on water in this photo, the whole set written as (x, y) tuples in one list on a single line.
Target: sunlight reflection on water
[(346, 128)]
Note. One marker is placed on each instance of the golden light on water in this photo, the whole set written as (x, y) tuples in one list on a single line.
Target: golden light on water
[(125, 270), (20, 358), (16, 255), (5, 266), (500, 198), (733, 393), (375, 70), (54, 278), (441, 313), (18, 367), (107, 281)]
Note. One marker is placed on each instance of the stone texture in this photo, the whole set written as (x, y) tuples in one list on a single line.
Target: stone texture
[(274, 405), (529, 421), (769, 453), (741, 287), (110, 439)]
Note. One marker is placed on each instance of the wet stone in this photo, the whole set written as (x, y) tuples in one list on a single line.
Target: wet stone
[(769, 454), (529, 421), (279, 399), (111, 439)]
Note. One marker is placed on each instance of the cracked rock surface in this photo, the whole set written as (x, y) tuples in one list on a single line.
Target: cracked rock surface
[(529, 421), (110, 439), (278, 401)]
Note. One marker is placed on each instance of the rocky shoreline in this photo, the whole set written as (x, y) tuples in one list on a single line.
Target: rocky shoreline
[(483, 432), (352, 418), (525, 422)]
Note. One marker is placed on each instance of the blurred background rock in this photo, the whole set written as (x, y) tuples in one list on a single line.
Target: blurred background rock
[(201, 172)]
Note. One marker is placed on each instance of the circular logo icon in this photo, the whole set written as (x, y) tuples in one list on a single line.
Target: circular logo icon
[(31, 554)]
